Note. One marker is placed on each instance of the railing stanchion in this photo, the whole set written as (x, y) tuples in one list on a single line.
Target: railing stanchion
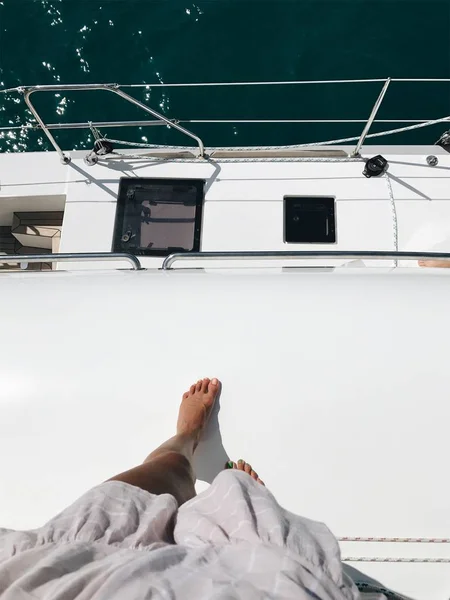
[(64, 158), (372, 117)]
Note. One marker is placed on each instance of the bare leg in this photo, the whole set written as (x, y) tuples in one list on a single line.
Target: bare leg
[(168, 469)]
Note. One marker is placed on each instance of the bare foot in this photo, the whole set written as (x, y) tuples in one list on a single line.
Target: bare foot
[(435, 263), (243, 466), (196, 407)]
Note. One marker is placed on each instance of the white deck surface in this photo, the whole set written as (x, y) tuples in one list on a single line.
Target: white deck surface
[(335, 387)]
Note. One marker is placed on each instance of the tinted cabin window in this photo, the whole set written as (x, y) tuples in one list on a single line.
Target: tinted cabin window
[(158, 216), (309, 220)]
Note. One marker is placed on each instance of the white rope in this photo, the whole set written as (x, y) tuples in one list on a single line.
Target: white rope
[(312, 82), (36, 127), (245, 83), (381, 559), (394, 214), (118, 155), (144, 145), (309, 145), (328, 142), (250, 83), (212, 150), (396, 540), (325, 143), (95, 132), (372, 135), (375, 135)]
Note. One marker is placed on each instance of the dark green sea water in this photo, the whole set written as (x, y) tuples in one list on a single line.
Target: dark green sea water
[(151, 41)]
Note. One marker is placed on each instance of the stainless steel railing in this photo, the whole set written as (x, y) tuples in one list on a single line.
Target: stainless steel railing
[(175, 124), (371, 118), (115, 89), (282, 255), (168, 262), (23, 259)]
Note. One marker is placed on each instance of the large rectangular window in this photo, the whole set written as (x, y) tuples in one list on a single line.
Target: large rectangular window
[(309, 220), (156, 217)]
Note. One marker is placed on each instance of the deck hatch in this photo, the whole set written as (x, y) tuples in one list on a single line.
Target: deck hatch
[(309, 220), (156, 217)]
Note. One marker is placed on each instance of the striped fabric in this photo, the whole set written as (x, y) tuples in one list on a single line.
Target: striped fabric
[(118, 542)]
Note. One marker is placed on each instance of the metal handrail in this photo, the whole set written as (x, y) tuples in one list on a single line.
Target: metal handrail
[(372, 117), (174, 123), (297, 255), (115, 89), (72, 257)]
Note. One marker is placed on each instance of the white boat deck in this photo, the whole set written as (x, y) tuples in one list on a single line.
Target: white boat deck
[(335, 381), (334, 387)]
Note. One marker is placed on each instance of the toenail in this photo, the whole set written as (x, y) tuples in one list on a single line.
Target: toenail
[(229, 465), (214, 381)]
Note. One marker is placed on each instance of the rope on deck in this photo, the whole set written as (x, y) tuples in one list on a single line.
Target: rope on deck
[(386, 559), (401, 540), (394, 214), (295, 146)]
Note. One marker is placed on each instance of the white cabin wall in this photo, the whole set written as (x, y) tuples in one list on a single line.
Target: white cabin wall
[(32, 174), (244, 201), (243, 204)]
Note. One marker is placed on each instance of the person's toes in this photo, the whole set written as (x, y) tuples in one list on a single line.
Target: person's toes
[(243, 466), (185, 395), (422, 263), (198, 387), (205, 383), (192, 390), (213, 386)]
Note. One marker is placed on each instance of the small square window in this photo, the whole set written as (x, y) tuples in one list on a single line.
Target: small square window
[(309, 220), (156, 217)]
